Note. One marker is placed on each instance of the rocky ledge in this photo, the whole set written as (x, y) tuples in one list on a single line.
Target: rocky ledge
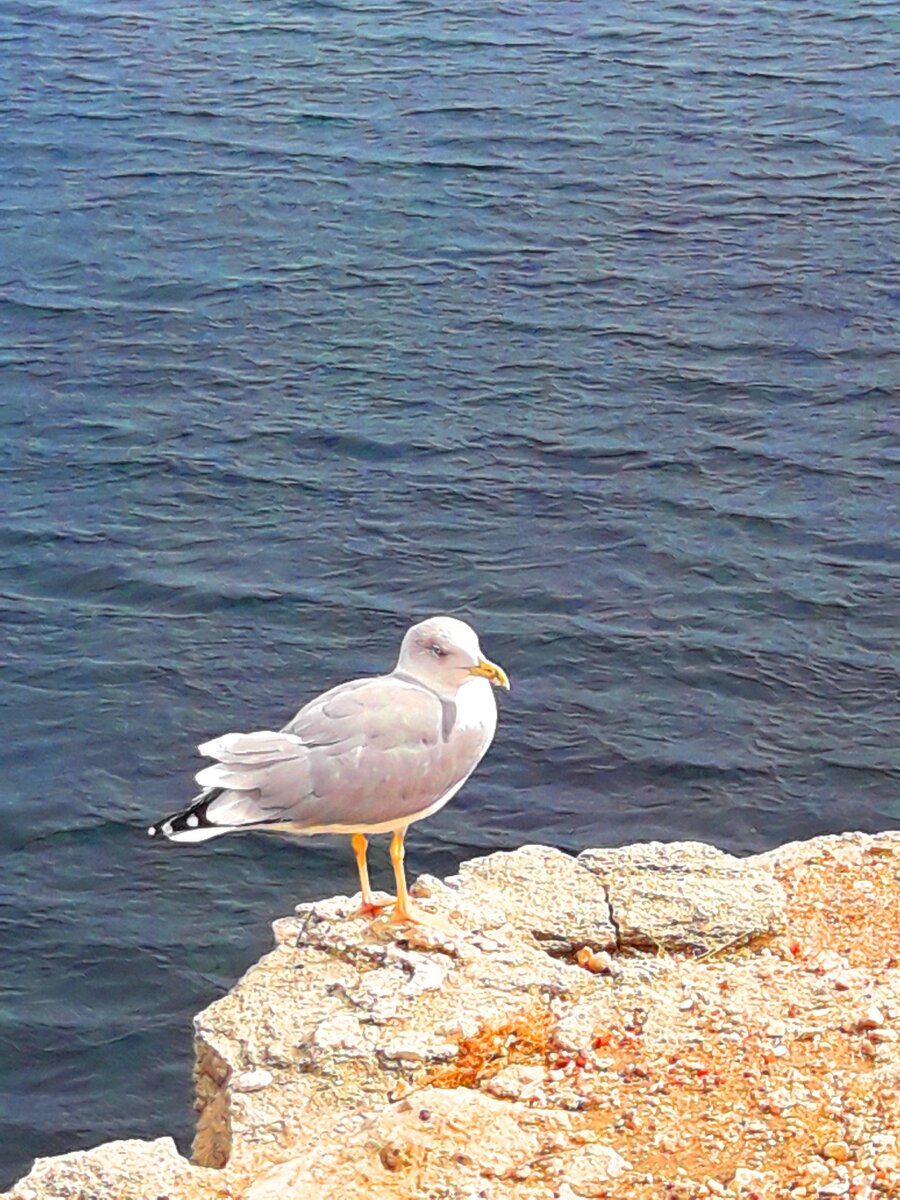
[(656, 1021)]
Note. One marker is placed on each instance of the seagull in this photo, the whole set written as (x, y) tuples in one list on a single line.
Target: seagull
[(369, 756)]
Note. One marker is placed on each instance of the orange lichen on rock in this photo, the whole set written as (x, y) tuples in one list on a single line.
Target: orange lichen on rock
[(525, 1039), (851, 907)]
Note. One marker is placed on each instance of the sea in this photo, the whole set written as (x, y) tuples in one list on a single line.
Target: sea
[(577, 320)]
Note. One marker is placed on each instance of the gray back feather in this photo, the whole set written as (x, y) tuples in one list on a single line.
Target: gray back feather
[(364, 753)]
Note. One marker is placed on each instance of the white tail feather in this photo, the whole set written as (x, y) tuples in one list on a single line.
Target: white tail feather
[(198, 835)]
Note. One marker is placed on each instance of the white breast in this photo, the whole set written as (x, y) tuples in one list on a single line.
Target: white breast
[(476, 708)]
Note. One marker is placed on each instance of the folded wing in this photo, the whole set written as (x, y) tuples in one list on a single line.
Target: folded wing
[(365, 754)]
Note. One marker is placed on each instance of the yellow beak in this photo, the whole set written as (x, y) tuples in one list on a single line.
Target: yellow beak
[(490, 671)]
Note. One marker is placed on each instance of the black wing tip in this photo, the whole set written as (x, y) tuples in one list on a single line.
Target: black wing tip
[(189, 819)]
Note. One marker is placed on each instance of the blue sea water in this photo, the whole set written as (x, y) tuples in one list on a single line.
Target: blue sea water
[(580, 320)]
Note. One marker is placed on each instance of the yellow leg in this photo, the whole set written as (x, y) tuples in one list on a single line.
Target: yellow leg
[(404, 910), (401, 911), (369, 907)]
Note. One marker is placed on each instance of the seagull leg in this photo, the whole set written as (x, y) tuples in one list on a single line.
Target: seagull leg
[(370, 907), (404, 909)]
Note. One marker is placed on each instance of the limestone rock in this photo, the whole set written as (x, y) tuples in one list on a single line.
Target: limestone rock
[(847, 848), (590, 1167), (529, 1053), (438, 1143), (745, 1180), (416, 1046), (517, 1082), (685, 895), (149, 1170), (252, 1081), (543, 894), (339, 1035)]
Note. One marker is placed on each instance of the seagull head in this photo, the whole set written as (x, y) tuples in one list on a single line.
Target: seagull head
[(443, 653)]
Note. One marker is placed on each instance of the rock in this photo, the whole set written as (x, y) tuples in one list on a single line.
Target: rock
[(588, 1169), (838, 1151), (845, 848), (745, 1180), (277, 1183), (872, 1018), (149, 1170), (543, 894), (517, 1082), (416, 1046), (686, 895), (598, 962), (816, 1169), (359, 1058), (251, 1081), (883, 1036), (340, 1034), (436, 1143)]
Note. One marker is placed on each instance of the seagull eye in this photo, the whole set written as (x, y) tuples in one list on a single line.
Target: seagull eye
[(437, 651)]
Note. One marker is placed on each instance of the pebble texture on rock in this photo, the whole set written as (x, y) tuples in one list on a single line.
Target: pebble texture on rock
[(653, 1021), (151, 1170)]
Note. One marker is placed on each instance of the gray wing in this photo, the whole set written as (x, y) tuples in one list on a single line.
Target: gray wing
[(365, 753)]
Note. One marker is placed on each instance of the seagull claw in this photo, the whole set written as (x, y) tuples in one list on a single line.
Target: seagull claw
[(411, 914), (370, 907)]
